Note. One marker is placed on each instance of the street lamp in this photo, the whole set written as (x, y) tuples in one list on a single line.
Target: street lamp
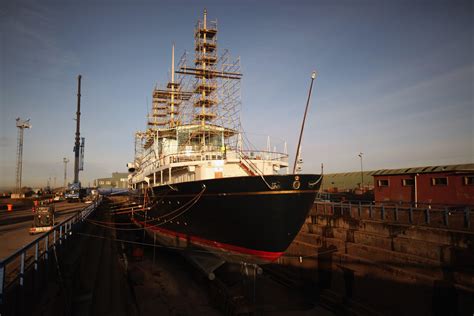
[(361, 171), (65, 161)]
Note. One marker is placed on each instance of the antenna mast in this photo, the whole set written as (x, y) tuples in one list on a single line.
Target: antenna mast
[(298, 149)]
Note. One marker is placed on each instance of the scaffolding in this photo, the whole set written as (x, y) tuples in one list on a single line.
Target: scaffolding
[(166, 102), (204, 91)]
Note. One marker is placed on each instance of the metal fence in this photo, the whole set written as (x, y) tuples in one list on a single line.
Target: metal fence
[(14, 267), (459, 218)]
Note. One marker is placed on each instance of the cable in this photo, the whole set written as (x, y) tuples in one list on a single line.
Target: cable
[(205, 251), (192, 202)]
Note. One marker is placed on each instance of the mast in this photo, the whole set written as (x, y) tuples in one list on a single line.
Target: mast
[(298, 148), (204, 93), (166, 102), (172, 110)]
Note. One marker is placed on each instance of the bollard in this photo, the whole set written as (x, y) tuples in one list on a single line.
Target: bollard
[(371, 211), (396, 213), (382, 212), (427, 216)]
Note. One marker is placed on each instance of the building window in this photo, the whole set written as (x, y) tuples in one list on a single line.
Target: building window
[(101, 182), (408, 182), (382, 183), (439, 181), (469, 180)]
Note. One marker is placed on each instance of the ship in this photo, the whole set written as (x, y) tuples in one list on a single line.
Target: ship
[(200, 183)]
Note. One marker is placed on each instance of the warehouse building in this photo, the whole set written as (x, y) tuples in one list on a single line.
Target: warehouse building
[(118, 180), (348, 181), (445, 185)]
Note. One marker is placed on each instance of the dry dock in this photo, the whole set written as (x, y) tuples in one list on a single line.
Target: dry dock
[(348, 259)]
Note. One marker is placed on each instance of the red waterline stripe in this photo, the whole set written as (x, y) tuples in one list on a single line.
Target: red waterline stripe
[(265, 255)]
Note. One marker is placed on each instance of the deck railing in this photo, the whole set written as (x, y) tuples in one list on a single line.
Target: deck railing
[(151, 163)]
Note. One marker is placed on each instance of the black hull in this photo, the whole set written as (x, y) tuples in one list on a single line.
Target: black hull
[(239, 218)]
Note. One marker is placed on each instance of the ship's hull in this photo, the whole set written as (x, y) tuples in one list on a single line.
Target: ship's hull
[(242, 219)]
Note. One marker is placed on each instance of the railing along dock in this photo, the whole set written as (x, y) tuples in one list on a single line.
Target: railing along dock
[(14, 267), (459, 218)]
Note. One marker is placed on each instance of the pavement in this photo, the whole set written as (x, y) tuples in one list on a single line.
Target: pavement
[(14, 225)]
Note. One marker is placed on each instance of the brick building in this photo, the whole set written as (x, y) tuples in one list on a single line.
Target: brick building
[(446, 185)]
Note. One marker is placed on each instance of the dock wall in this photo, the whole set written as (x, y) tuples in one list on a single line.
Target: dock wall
[(374, 261)]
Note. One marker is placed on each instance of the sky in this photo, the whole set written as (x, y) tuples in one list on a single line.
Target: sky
[(395, 79)]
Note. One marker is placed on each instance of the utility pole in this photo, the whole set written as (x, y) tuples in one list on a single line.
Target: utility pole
[(65, 161), (21, 125), (322, 172), (77, 143), (361, 171)]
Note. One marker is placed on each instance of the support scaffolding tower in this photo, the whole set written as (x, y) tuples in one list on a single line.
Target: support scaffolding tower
[(215, 85), (203, 91)]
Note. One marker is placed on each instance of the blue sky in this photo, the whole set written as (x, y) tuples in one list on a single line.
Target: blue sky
[(395, 78)]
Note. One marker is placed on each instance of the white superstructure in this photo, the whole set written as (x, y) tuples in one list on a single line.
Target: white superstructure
[(182, 154), (194, 128)]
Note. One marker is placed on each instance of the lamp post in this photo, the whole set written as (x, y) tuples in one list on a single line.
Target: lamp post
[(65, 161), (361, 171)]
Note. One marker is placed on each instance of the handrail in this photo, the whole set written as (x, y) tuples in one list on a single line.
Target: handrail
[(391, 213), (29, 245), (67, 224)]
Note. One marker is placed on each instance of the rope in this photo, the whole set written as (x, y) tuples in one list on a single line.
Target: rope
[(205, 251), (311, 184), (188, 205), (259, 172), (172, 188)]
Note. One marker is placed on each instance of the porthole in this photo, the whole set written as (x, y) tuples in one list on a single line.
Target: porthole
[(296, 184)]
